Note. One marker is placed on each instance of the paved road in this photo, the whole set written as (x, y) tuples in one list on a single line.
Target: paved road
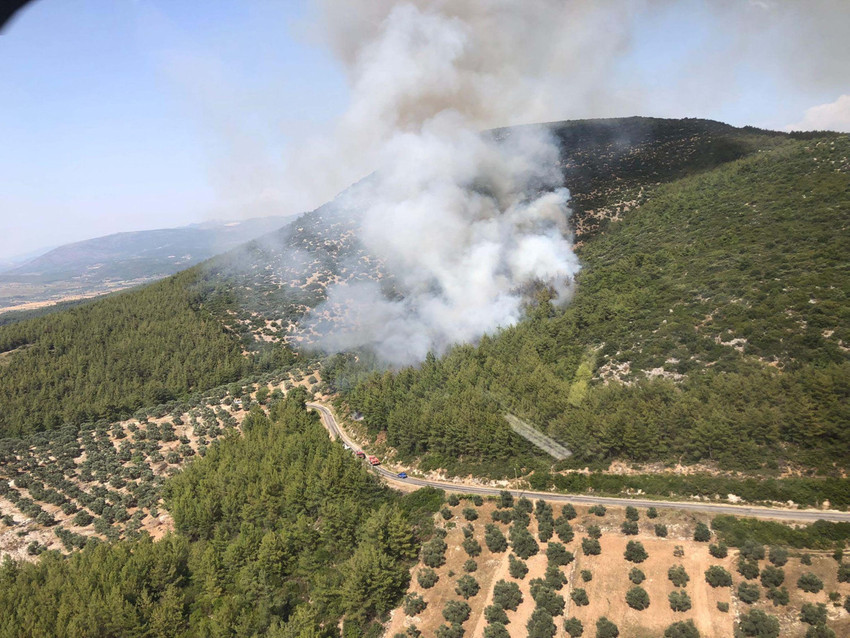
[(707, 508)]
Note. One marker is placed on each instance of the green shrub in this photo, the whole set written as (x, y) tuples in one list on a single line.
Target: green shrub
[(716, 576), (631, 513), (456, 612), (629, 528), (723, 607), (637, 598), (679, 600), (448, 631), (591, 547), (719, 550), (470, 566), (636, 576), (586, 575), (541, 624), (564, 530), (813, 614), (470, 513), (594, 531), (522, 542), (546, 598), (678, 576), (507, 595), (574, 627), (434, 552), (749, 569), (810, 583), (652, 513), (472, 547), (750, 550), (748, 593), (427, 578), (778, 596), (496, 630), (819, 631), (517, 568), (778, 555), (414, 604), (579, 597), (635, 552), (606, 629), (757, 624), (661, 530), (682, 629), (772, 576), (557, 554), (495, 614), (467, 586), (701, 533)]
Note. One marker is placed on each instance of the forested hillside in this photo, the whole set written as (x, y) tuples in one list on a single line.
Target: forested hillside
[(241, 312), (264, 289), (709, 324), (280, 533), (106, 359)]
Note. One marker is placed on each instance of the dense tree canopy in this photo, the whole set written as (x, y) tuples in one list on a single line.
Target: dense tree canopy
[(278, 532), (707, 283), (106, 359)]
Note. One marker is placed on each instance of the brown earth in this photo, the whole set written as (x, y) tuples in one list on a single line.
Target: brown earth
[(607, 588)]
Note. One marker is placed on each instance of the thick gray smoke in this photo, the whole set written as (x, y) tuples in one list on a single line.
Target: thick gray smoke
[(463, 222)]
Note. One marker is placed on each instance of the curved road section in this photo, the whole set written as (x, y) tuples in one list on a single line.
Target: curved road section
[(707, 508)]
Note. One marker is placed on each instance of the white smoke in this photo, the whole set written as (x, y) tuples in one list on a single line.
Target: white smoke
[(464, 222)]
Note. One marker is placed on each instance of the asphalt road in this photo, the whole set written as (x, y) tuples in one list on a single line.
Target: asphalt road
[(693, 506)]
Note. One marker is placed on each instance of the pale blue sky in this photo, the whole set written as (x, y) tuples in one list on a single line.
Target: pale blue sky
[(130, 114)]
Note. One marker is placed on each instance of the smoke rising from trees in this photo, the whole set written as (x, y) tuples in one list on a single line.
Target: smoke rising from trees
[(464, 222)]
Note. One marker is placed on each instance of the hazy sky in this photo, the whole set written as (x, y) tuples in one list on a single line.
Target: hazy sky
[(130, 114)]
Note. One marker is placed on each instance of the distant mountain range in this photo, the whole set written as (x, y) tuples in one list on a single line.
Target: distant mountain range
[(112, 262)]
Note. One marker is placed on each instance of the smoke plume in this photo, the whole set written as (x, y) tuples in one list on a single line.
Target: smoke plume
[(464, 222)]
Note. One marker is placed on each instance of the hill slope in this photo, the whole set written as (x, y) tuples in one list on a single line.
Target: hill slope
[(77, 363), (610, 167), (709, 324)]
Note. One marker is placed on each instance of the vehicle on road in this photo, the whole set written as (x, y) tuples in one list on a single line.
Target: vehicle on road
[(346, 446), (402, 474), (374, 460), (360, 454)]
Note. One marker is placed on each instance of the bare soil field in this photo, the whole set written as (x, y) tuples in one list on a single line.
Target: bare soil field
[(606, 591)]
